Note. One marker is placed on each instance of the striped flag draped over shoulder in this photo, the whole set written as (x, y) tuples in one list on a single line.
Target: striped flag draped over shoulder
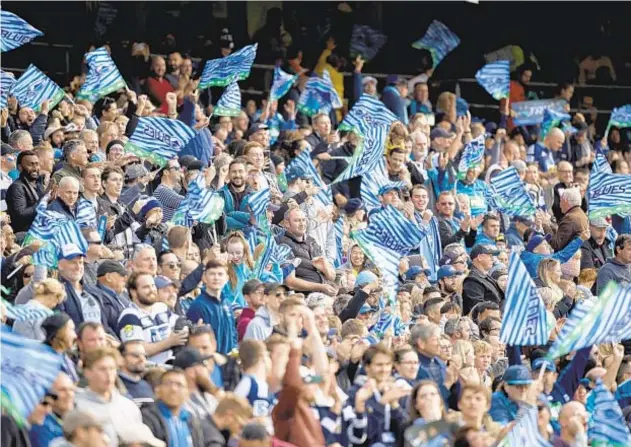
[(594, 321), (606, 426), (472, 156), (609, 194), (15, 31), (7, 80), (552, 119), (367, 154), (319, 96), (525, 432), (601, 165), (525, 321), (34, 87), (620, 117), (221, 72), (229, 103), (438, 40), (430, 247), (366, 113), (18, 312), (69, 233), (281, 84), (103, 76), (29, 369), (508, 195), (159, 139), (495, 78)]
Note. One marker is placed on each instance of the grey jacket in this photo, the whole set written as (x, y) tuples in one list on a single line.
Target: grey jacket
[(615, 271), (260, 327)]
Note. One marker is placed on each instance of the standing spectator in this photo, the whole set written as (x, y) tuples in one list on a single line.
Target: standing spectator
[(574, 222), (165, 192), (25, 193), (544, 153), (618, 268), (394, 97), (157, 86)]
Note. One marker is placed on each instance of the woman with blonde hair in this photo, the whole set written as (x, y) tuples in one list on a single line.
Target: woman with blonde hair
[(549, 275), (47, 295), (240, 265)]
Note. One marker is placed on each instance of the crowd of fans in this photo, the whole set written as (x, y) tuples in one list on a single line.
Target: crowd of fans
[(185, 346)]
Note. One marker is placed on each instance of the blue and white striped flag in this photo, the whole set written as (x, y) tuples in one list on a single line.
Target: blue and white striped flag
[(303, 165), (508, 195), (430, 247), (594, 321), (620, 117), (601, 165), (19, 312), (472, 156), (525, 321), (273, 253), (526, 431), (229, 103), (281, 84), (45, 225), (159, 139), (551, 119), (34, 87), (29, 369), (86, 214), (609, 194), (69, 233), (366, 42), (367, 113), (103, 76), (258, 201), (7, 80), (221, 72), (495, 78), (367, 154), (389, 321), (201, 204), (438, 40), (47, 256), (607, 426), (15, 31), (339, 242), (319, 96), (371, 184)]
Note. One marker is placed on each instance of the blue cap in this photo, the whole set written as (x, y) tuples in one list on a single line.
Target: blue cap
[(538, 363), (447, 271), (536, 240), (353, 205), (389, 187), (162, 282), (365, 277), (517, 375), (367, 308), (70, 251), (414, 271)]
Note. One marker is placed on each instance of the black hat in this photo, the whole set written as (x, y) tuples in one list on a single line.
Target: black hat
[(189, 357), (254, 128), (53, 324), (483, 249), (186, 160), (109, 266), (353, 205), (113, 143), (195, 165), (272, 286), (7, 149), (251, 286)]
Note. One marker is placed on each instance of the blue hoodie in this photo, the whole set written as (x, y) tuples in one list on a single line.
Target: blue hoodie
[(218, 314)]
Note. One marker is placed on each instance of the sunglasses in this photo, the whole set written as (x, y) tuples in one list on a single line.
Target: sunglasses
[(173, 265), (95, 242), (27, 275)]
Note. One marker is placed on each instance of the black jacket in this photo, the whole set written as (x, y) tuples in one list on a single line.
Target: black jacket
[(478, 288), (112, 304), (448, 235), (22, 200), (203, 434)]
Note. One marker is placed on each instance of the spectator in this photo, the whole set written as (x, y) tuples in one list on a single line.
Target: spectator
[(52, 427), (253, 292), (574, 222), (25, 193), (156, 85), (394, 97), (47, 295), (618, 268), (82, 429), (478, 286), (132, 370), (76, 158)]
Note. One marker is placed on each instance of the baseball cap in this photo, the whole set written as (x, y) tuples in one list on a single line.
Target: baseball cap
[(189, 357), (53, 324), (366, 308), (353, 205), (599, 222), (500, 238), (251, 286), (69, 251), (272, 286), (255, 128), (110, 266), (414, 271), (79, 419), (538, 363), (517, 375), (135, 171), (389, 187), (483, 249), (365, 277), (162, 282), (7, 149), (439, 132), (447, 271), (536, 240), (186, 160)]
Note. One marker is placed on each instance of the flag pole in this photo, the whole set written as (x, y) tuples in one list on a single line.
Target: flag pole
[(543, 369), (19, 267)]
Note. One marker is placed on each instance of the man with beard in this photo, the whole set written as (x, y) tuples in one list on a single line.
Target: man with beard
[(171, 180), (148, 320), (202, 401), (24, 194), (450, 283), (234, 194), (132, 370)]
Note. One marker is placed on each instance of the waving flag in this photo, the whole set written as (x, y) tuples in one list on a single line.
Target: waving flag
[(601, 165), (607, 426), (221, 72), (103, 76), (620, 117), (319, 96), (430, 247), (371, 184), (367, 154), (15, 31), (525, 432), (530, 113), (609, 194), (462, 107), (46, 256), (281, 84), (303, 165), (86, 214), (159, 139), (551, 119), (339, 242), (201, 204), (7, 80), (594, 321), (69, 233), (45, 225), (366, 42), (29, 369), (34, 87), (22, 313), (525, 321), (495, 78), (272, 253), (230, 102), (386, 322), (508, 195), (258, 201), (367, 113), (200, 146), (472, 156), (438, 40)]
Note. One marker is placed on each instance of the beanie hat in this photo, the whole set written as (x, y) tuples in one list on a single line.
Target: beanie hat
[(53, 324), (150, 205)]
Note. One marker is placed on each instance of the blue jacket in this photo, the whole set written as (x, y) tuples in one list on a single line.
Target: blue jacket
[(237, 214), (483, 239), (41, 435), (60, 207), (513, 239), (531, 260), (503, 410), (72, 306), (476, 193), (393, 101), (433, 369), (218, 314)]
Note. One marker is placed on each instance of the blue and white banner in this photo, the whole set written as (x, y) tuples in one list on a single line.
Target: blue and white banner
[(438, 40), (601, 165), (607, 425), (221, 72), (525, 432), (430, 247), (86, 214), (15, 31), (7, 81), (620, 117), (371, 184), (609, 194), (367, 155), (303, 165), (258, 201), (525, 321), (472, 156), (529, 113), (159, 139), (18, 312), (366, 42), (551, 119), (34, 87), (103, 76), (367, 113), (229, 103), (507, 194), (495, 78), (281, 84), (319, 96)]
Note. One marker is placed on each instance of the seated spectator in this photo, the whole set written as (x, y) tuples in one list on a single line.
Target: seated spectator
[(478, 286)]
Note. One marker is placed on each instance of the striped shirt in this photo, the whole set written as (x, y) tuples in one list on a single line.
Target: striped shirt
[(169, 199)]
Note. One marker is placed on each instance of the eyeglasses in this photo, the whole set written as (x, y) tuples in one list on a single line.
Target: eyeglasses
[(95, 242), (173, 265)]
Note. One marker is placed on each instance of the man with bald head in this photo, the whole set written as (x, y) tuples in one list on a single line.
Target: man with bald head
[(573, 422), (157, 86), (574, 222), (546, 153), (67, 197), (52, 427)]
